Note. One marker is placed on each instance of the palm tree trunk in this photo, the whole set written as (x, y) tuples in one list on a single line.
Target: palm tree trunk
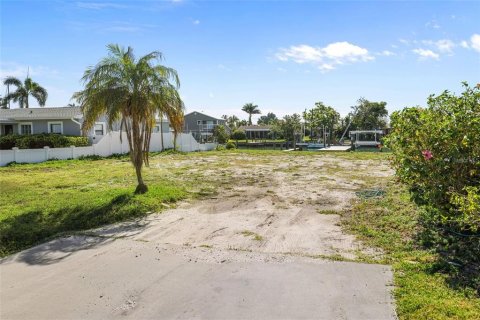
[(137, 156), (26, 101), (161, 129), (249, 119), (141, 187), (175, 140)]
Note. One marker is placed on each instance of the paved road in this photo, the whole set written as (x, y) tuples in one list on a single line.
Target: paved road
[(82, 277)]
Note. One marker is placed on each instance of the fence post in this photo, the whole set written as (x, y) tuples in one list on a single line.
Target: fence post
[(72, 149), (47, 152), (15, 150)]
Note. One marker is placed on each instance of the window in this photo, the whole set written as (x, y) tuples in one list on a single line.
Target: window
[(199, 121), (25, 128), (99, 129), (55, 127), (156, 129)]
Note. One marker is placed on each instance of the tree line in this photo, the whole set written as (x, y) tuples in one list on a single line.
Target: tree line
[(313, 122)]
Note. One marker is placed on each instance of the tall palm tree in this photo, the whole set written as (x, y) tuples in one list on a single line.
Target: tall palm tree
[(130, 91), (24, 90), (250, 108)]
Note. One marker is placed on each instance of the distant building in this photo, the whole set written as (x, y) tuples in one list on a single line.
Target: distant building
[(61, 120), (201, 126), (255, 132)]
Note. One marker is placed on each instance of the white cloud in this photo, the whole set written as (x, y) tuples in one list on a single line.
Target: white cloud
[(464, 44), (426, 54), (443, 45), (475, 42), (326, 58), (387, 53), (196, 22), (404, 41)]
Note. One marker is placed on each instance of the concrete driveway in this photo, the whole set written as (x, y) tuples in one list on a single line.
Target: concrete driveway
[(82, 277)]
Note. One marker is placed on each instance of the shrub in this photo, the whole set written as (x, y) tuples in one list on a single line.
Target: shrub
[(220, 134), (436, 152), (38, 141), (231, 145), (220, 148), (239, 135)]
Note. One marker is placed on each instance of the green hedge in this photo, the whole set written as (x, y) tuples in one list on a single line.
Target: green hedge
[(38, 141), (436, 152)]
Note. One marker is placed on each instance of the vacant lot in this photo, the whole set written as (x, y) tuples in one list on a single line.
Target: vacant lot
[(266, 205)]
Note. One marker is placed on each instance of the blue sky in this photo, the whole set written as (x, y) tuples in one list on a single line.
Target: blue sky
[(282, 55)]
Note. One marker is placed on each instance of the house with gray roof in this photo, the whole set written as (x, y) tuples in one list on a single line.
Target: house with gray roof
[(201, 126), (61, 120)]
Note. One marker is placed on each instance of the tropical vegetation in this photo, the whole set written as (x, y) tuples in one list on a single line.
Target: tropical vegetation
[(132, 92), (251, 109), (436, 153), (23, 90)]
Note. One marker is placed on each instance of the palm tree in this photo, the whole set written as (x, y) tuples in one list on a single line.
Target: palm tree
[(250, 108), (3, 103), (175, 115), (24, 90), (232, 122), (130, 91)]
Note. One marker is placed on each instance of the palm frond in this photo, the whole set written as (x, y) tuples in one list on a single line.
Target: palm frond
[(12, 81)]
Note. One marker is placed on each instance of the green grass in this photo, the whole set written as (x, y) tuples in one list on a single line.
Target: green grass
[(421, 292), (255, 236), (41, 201)]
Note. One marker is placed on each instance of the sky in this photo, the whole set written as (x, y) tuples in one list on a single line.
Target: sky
[(280, 55)]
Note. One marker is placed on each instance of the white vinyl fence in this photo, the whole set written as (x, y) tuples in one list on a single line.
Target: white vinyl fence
[(108, 145)]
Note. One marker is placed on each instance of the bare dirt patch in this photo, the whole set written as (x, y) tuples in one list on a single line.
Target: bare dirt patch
[(273, 203)]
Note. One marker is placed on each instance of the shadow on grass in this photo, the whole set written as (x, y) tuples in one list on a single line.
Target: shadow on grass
[(23, 231), (459, 255)]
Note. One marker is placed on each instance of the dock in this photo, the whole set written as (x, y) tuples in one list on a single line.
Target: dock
[(336, 148)]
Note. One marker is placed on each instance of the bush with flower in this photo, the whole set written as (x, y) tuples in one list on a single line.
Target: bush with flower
[(436, 152)]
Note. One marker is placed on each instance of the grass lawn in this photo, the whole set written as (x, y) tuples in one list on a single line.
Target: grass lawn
[(42, 201), (421, 291)]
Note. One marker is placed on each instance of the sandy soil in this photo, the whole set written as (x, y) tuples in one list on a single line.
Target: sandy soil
[(273, 204)]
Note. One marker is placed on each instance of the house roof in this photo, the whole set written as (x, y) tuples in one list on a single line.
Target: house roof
[(255, 128), (203, 114), (41, 113)]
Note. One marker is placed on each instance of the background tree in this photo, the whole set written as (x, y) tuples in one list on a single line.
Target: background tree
[(176, 117), (220, 134), (290, 127), (250, 108), (320, 117), (3, 103), (239, 135), (24, 91), (269, 119), (130, 91), (242, 123), (369, 115), (232, 122)]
